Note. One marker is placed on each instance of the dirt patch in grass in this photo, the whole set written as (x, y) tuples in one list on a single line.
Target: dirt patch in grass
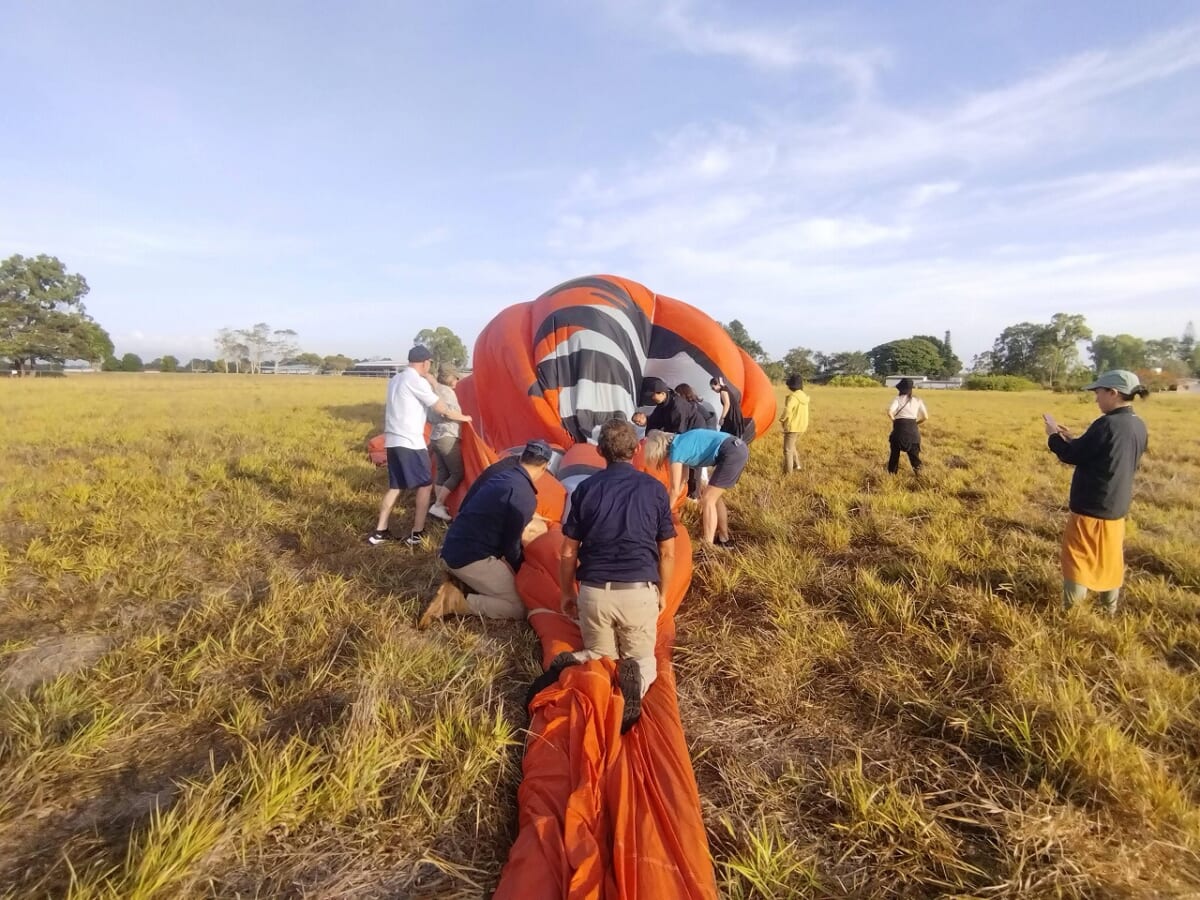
[(51, 658)]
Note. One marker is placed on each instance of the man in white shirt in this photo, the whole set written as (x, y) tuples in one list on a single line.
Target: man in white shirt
[(409, 395)]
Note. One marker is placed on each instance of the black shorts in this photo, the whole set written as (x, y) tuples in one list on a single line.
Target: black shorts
[(408, 468), (731, 459)]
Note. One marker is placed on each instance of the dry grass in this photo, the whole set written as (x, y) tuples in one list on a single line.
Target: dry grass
[(879, 696)]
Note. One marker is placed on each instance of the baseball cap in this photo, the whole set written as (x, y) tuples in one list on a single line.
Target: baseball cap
[(651, 386), (419, 354), (1121, 380), (540, 449)]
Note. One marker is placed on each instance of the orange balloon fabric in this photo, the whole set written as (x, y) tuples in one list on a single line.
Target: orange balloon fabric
[(560, 366)]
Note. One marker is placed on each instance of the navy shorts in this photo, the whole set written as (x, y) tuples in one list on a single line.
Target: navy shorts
[(408, 468), (731, 459)]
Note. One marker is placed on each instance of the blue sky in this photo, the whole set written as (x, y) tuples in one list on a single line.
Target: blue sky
[(834, 178)]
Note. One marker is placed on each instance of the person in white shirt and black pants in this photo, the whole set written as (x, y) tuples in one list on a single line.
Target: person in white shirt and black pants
[(907, 413)]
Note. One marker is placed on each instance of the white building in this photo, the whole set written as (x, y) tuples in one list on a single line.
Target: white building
[(924, 382)]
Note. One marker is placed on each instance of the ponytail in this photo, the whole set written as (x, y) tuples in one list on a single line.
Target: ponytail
[(1140, 391)]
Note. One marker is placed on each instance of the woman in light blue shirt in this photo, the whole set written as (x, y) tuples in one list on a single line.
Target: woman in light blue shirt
[(696, 449)]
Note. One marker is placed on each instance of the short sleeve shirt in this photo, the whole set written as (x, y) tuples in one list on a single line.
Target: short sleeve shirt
[(619, 515), (491, 521), (404, 417), (443, 427), (697, 448)]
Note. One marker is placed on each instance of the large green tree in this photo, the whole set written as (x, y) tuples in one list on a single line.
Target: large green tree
[(1042, 352), (909, 356), (444, 344), (1018, 350), (739, 335), (337, 362), (1117, 351), (1061, 352), (951, 364), (42, 316), (799, 361)]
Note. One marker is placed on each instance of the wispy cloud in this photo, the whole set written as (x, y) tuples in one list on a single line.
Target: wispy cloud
[(436, 235), (784, 44), (877, 204), (777, 46)]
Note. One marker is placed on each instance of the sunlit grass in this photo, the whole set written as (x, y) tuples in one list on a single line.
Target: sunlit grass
[(880, 696)]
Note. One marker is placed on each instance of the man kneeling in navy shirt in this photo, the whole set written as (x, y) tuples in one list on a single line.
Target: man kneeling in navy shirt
[(484, 546), (619, 541)]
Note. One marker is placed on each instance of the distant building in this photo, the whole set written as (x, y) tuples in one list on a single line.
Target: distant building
[(377, 368), (292, 369), (1187, 386), (926, 383)]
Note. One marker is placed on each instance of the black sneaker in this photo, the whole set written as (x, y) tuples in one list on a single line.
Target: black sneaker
[(415, 539), (562, 661), (550, 676), (629, 677), (380, 537)]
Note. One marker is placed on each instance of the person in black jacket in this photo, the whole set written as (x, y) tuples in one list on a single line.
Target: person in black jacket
[(707, 414), (1105, 458), (671, 413)]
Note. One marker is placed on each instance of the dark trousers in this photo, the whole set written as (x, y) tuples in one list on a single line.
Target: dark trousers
[(906, 438), (693, 482)]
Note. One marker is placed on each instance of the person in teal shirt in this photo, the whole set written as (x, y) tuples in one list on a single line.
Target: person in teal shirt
[(696, 449)]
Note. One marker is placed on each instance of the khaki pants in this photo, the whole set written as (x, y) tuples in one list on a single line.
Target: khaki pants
[(620, 624), (497, 596), (791, 456)]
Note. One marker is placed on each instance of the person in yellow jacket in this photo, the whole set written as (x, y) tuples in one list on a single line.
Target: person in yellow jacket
[(794, 422)]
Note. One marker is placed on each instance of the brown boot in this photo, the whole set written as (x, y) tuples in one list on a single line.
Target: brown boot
[(448, 601)]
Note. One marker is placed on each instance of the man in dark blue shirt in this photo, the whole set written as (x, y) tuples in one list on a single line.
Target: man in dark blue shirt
[(619, 541), (483, 547)]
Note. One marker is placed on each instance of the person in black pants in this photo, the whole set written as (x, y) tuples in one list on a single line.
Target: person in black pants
[(907, 413)]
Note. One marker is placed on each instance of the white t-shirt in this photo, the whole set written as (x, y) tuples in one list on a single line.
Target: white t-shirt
[(404, 417), (908, 408)]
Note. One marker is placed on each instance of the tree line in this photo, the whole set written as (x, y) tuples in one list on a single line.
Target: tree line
[(920, 354), (43, 319), (1045, 353)]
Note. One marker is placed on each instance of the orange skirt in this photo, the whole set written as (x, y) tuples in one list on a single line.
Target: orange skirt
[(1093, 552)]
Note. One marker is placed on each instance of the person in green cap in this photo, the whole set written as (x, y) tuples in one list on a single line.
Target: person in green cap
[(1105, 458)]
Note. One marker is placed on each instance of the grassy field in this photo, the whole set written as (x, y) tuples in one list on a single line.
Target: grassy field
[(879, 693)]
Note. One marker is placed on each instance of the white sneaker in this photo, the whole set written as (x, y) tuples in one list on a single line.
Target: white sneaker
[(440, 511)]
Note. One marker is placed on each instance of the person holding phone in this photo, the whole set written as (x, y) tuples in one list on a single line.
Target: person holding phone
[(1105, 458)]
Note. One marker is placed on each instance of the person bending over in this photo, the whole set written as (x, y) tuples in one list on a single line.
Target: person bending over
[(726, 453)]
